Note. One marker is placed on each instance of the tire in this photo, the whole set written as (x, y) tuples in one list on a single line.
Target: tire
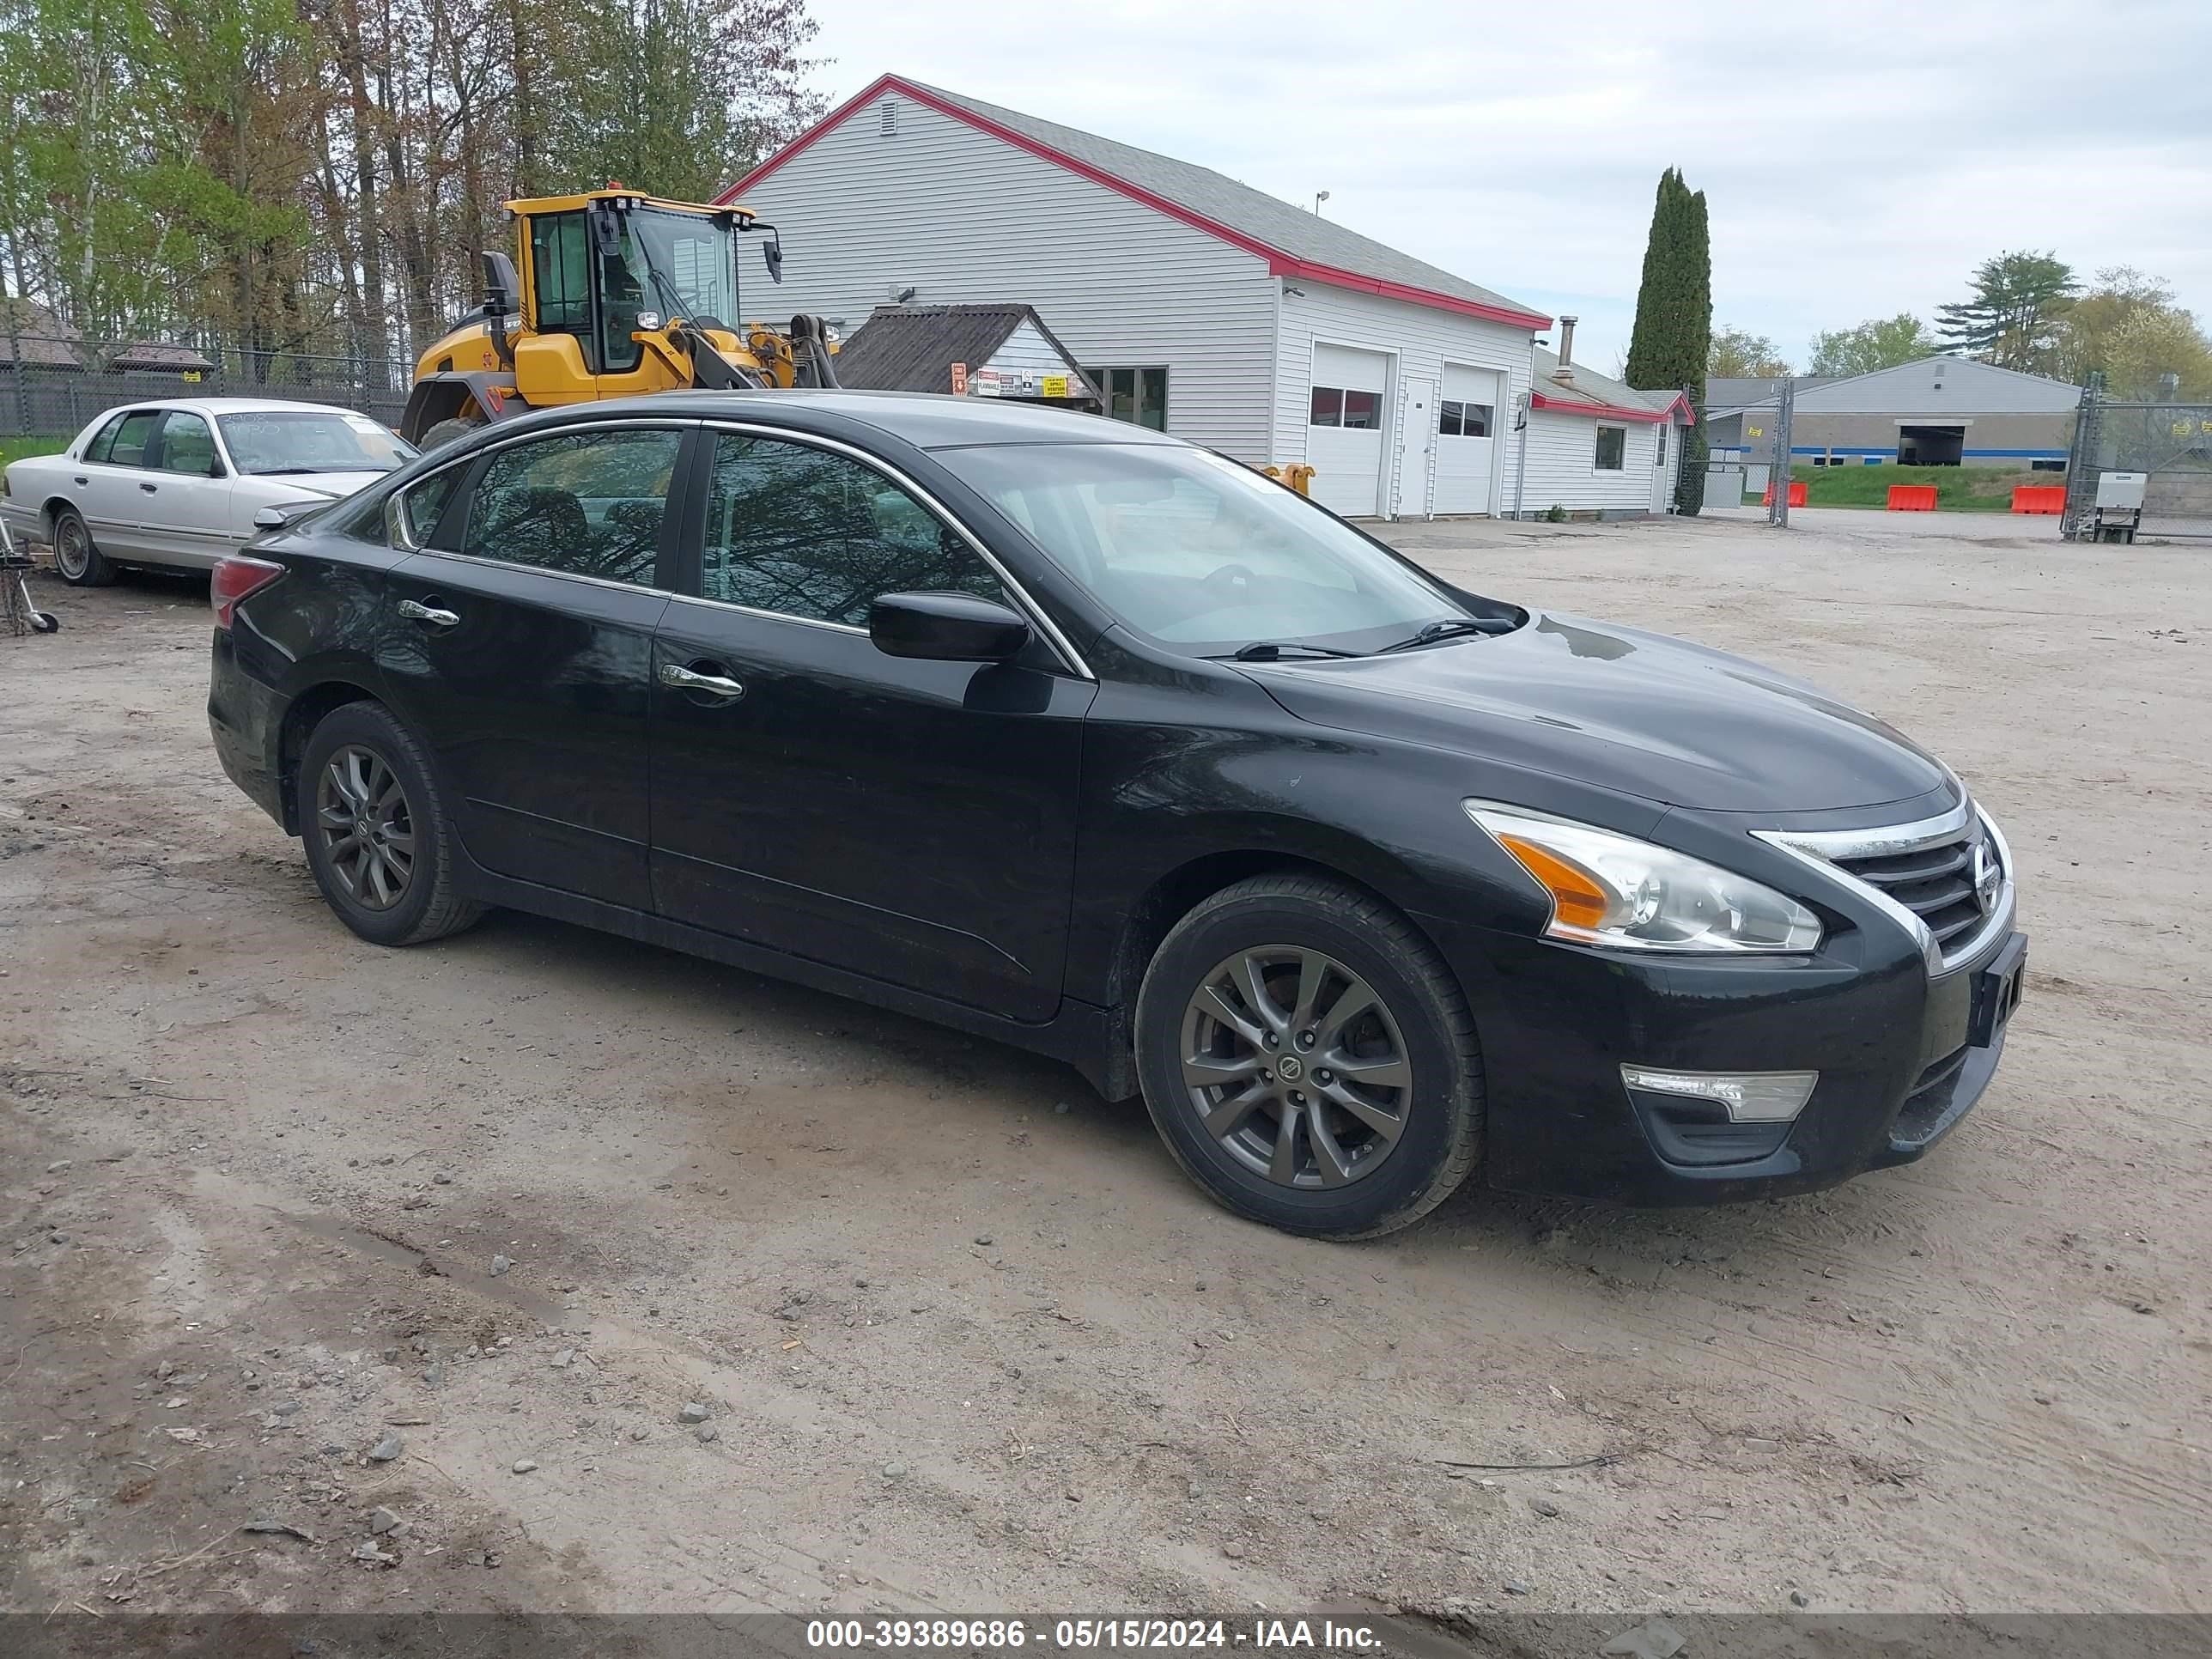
[(393, 885), (445, 432), (79, 562), (1360, 953)]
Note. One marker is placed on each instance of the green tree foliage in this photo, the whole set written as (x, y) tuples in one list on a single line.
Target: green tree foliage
[(319, 175), (2011, 318), (1737, 354), (2129, 329), (1878, 343), (1672, 339)]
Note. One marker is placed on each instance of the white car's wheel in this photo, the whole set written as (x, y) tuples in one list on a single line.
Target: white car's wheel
[(80, 562)]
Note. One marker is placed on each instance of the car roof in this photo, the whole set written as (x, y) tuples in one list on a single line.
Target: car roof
[(926, 420), (232, 406)]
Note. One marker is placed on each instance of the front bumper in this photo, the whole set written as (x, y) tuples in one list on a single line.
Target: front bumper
[(1902, 1057)]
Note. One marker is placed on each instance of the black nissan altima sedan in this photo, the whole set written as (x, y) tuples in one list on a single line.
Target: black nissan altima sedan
[(1079, 737)]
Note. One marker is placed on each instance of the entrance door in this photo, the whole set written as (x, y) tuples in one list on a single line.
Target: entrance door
[(911, 820), (1344, 431), (524, 656), (1417, 443), (1466, 458)]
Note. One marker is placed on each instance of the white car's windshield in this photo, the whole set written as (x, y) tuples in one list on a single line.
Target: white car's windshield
[(1200, 553), (302, 440)]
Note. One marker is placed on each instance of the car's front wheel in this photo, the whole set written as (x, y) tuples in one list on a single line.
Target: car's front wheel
[(1308, 1059), (377, 836), (81, 564)]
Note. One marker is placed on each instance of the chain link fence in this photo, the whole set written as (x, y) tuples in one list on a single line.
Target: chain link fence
[(2170, 443), (51, 386)]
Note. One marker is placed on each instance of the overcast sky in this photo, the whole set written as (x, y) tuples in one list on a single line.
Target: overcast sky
[(1859, 161)]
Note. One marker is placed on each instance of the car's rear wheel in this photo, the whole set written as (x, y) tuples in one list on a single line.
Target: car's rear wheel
[(377, 836), (81, 564), (1308, 1059)]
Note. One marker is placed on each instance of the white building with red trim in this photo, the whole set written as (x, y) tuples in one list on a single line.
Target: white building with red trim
[(1202, 307)]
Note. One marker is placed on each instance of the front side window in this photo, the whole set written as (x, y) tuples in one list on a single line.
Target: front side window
[(560, 274), (123, 443), (1612, 449), (583, 503), (187, 445), (1198, 552), (805, 532), (274, 442)]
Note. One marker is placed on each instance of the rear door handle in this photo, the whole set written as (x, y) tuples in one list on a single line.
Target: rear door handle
[(416, 611), (685, 679), (149, 488)]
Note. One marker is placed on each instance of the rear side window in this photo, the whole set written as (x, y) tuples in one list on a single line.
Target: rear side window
[(416, 510), (804, 533), (584, 503), (122, 443)]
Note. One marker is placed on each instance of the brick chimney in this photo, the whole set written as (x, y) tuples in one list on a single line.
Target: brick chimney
[(1565, 373)]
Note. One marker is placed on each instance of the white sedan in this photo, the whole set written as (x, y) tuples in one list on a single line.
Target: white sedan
[(177, 484)]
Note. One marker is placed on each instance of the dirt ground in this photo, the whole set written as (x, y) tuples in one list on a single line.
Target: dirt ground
[(965, 1339)]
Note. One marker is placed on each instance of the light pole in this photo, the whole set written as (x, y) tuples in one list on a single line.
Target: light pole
[(1319, 198)]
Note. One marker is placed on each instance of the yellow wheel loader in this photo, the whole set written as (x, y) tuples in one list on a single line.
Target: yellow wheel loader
[(618, 294)]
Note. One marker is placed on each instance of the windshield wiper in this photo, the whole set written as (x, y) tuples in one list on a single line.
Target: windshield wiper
[(1268, 650), (1451, 628)]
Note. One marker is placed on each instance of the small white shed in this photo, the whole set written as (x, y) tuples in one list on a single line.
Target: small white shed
[(1591, 445)]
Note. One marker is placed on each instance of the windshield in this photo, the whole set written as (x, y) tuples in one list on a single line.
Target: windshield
[(1200, 553), (302, 440), (694, 255)]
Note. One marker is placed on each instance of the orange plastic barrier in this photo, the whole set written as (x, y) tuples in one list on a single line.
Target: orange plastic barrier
[(1912, 498), (1796, 495), (2040, 498)]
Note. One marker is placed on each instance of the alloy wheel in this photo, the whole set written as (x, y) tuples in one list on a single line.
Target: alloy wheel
[(72, 549), (367, 829), (1295, 1066)]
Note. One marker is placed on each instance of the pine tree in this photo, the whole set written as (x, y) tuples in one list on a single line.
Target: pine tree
[(1673, 337)]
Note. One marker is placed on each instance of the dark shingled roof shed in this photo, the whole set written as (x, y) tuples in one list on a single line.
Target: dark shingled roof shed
[(913, 347)]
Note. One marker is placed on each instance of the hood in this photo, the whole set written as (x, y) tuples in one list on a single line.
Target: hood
[(1621, 709), (313, 486)]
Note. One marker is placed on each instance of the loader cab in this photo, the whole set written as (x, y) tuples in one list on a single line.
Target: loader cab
[(600, 269)]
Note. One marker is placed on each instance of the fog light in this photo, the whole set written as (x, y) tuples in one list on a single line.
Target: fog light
[(1748, 1096)]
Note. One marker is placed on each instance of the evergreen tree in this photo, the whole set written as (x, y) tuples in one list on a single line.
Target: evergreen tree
[(2012, 320), (1673, 337)]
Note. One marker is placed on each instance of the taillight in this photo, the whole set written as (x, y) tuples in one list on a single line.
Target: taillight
[(236, 576)]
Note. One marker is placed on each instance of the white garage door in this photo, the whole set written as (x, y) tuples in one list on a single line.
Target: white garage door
[(1466, 419), (1344, 437)]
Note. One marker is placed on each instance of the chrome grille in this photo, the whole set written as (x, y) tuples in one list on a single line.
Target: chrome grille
[(1936, 883)]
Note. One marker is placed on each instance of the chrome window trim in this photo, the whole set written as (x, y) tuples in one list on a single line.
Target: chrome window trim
[(1820, 849), (1038, 617), (769, 615)]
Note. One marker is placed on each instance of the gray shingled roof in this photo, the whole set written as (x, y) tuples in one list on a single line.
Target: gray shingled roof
[(913, 347), (1591, 387), (1249, 212), (1725, 394)]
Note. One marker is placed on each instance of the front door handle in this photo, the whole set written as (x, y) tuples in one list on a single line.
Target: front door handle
[(149, 488), (685, 679), (416, 611)]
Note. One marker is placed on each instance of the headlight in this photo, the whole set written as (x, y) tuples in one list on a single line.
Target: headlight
[(1612, 889)]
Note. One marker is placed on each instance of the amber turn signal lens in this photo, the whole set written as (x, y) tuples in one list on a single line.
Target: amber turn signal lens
[(1577, 898)]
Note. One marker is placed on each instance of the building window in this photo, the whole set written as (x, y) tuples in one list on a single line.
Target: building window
[(1612, 449), (1138, 396), (1335, 406), (1460, 420), (1659, 448)]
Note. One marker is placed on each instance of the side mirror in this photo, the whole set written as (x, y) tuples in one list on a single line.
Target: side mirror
[(946, 628), (270, 518), (772, 254), (502, 288)]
